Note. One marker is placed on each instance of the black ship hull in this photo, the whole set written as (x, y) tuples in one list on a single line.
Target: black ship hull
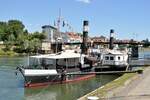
[(34, 81)]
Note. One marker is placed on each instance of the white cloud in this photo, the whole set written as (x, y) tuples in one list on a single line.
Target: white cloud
[(85, 1)]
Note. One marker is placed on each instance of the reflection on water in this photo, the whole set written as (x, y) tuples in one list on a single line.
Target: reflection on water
[(11, 86), (12, 62), (143, 54), (70, 91)]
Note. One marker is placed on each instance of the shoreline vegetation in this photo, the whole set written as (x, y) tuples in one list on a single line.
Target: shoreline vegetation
[(15, 40), (144, 49), (11, 53)]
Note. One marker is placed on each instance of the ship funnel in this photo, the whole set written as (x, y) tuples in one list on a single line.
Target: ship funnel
[(84, 46), (111, 40)]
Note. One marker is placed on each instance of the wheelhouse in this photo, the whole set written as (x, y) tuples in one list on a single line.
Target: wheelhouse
[(115, 58)]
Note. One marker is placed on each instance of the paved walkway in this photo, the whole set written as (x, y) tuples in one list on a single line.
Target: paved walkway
[(139, 89)]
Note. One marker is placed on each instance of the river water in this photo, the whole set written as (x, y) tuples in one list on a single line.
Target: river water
[(12, 86), (70, 91)]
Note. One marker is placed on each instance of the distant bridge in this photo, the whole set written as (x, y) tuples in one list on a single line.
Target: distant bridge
[(116, 42), (120, 42)]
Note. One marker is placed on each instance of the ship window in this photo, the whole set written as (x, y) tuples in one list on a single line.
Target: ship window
[(99, 55), (111, 58), (118, 58), (106, 58)]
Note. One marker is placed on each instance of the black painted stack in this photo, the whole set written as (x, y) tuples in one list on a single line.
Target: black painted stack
[(135, 51), (84, 45), (111, 41)]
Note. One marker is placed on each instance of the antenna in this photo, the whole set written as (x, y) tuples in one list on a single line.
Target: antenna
[(58, 23), (59, 20)]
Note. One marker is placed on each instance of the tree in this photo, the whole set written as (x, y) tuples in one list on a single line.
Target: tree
[(21, 43), (19, 39), (80, 34), (15, 27), (3, 29), (34, 45), (146, 43), (40, 36), (8, 45), (25, 32)]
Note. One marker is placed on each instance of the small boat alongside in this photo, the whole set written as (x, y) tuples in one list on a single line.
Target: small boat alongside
[(113, 60)]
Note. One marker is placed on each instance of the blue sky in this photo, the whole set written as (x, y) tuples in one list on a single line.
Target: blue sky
[(129, 18)]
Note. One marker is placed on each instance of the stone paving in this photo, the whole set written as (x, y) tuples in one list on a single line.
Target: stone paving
[(137, 89)]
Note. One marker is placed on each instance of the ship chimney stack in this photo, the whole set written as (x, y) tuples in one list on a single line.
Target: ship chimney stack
[(111, 40), (84, 46)]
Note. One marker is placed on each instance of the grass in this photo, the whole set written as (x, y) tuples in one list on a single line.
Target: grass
[(116, 83), (102, 91), (7, 53)]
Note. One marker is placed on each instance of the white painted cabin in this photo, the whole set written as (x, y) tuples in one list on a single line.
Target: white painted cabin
[(115, 58)]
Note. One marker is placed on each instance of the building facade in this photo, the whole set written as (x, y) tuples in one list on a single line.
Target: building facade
[(50, 32)]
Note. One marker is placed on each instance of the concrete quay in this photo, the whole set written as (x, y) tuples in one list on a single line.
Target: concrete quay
[(135, 88)]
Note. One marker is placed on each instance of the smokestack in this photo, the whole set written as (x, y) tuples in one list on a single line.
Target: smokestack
[(111, 41), (84, 46)]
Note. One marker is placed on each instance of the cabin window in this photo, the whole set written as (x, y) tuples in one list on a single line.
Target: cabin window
[(106, 58), (99, 55), (111, 58), (118, 58)]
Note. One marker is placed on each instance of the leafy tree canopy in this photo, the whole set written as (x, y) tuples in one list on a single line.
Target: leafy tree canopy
[(17, 38)]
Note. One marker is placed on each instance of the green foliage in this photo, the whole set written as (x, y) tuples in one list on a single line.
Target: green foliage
[(146, 43), (18, 39), (3, 29), (8, 45), (38, 35), (15, 27), (8, 53), (80, 34)]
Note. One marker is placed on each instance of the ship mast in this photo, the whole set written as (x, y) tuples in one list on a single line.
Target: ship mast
[(59, 20), (58, 25), (58, 39)]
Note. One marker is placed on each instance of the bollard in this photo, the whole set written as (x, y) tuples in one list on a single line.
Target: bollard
[(140, 71), (92, 98)]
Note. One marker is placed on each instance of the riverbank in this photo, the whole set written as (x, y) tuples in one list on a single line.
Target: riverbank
[(144, 49), (13, 54), (110, 89), (8, 53)]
